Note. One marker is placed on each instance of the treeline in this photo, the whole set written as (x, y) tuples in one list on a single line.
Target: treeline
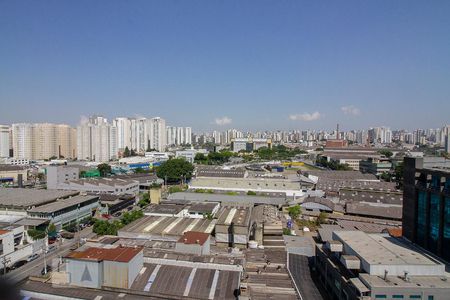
[(102, 227)]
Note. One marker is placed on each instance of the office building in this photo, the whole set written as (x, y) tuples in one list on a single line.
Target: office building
[(97, 140), (43, 140), (426, 204), (56, 175), (4, 141)]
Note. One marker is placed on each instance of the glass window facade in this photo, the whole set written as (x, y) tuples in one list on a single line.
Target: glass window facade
[(446, 237), (435, 213), (421, 217)]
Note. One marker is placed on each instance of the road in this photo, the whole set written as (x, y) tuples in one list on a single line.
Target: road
[(34, 268)]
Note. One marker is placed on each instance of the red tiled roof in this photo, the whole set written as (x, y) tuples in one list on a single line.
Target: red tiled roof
[(3, 231), (194, 237), (119, 254)]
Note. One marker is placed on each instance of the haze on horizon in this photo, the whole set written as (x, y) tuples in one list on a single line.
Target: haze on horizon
[(252, 65)]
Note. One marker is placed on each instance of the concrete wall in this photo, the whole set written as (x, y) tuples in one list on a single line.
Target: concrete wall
[(193, 248), (60, 174), (85, 273)]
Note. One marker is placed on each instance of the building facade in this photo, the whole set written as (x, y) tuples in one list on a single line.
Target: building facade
[(426, 204), (4, 141)]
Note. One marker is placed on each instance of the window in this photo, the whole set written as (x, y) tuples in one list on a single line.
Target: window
[(430, 297), (415, 297), (380, 296)]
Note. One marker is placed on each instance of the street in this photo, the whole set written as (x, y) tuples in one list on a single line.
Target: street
[(34, 268)]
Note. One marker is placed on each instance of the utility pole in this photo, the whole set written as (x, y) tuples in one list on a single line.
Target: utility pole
[(5, 261)]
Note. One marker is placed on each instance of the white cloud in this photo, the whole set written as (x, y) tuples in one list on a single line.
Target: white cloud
[(306, 116), (83, 120), (350, 110), (222, 121)]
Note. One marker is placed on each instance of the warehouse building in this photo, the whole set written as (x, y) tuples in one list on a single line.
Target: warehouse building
[(65, 211), (102, 185), (165, 228), (111, 203), (233, 226), (18, 201), (10, 174), (104, 267)]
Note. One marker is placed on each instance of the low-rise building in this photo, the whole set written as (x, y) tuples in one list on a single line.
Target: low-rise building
[(192, 242), (65, 211), (12, 174), (189, 154), (233, 226), (59, 175), (357, 265), (375, 165), (104, 267), (102, 185)]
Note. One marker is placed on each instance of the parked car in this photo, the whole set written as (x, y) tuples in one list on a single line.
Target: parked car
[(18, 264), (32, 257), (50, 248)]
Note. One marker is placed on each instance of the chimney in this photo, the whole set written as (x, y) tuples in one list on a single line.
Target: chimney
[(337, 131), (406, 278)]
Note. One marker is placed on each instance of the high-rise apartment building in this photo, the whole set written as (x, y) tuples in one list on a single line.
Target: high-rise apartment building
[(43, 140), (97, 140), (4, 141), (123, 127), (171, 133), (157, 136)]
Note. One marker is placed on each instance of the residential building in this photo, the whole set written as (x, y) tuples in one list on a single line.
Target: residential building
[(97, 140), (189, 154), (43, 140), (123, 127), (426, 204), (157, 136), (4, 141), (249, 144)]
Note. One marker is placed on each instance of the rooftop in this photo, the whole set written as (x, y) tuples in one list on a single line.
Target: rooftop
[(61, 204), (194, 237), (12, 197), (119, 254), (171, 209), (228, 199), (376, 250), (237, 216)]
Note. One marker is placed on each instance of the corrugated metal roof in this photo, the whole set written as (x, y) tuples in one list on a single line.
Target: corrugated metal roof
[(119, 254)]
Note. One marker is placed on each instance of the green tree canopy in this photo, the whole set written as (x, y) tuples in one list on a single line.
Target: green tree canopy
[(104, 169), (175, 169), (294, 211), (126, 152), (386, 153)]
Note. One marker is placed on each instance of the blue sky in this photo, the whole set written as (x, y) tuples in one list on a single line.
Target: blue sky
[(221, 64)]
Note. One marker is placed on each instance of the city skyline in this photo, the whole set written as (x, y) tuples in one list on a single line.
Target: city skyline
[(296, 65)]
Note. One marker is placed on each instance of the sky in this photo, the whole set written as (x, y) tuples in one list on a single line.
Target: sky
[(214, 65)]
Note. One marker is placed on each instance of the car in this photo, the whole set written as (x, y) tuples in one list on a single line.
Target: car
[(50, 248), (18, 264), (32, 257), (49, 269)]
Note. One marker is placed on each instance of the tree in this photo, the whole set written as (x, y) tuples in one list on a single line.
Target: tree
[(321, 218), (104, 169), (200, 158), (51, 230), (294, 211), (174, 170), (386, 153), (82, 174), (126, 152)]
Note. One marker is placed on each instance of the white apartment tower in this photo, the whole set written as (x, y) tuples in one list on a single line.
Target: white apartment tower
[(97, 140), (157, 134), (4, 141)]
